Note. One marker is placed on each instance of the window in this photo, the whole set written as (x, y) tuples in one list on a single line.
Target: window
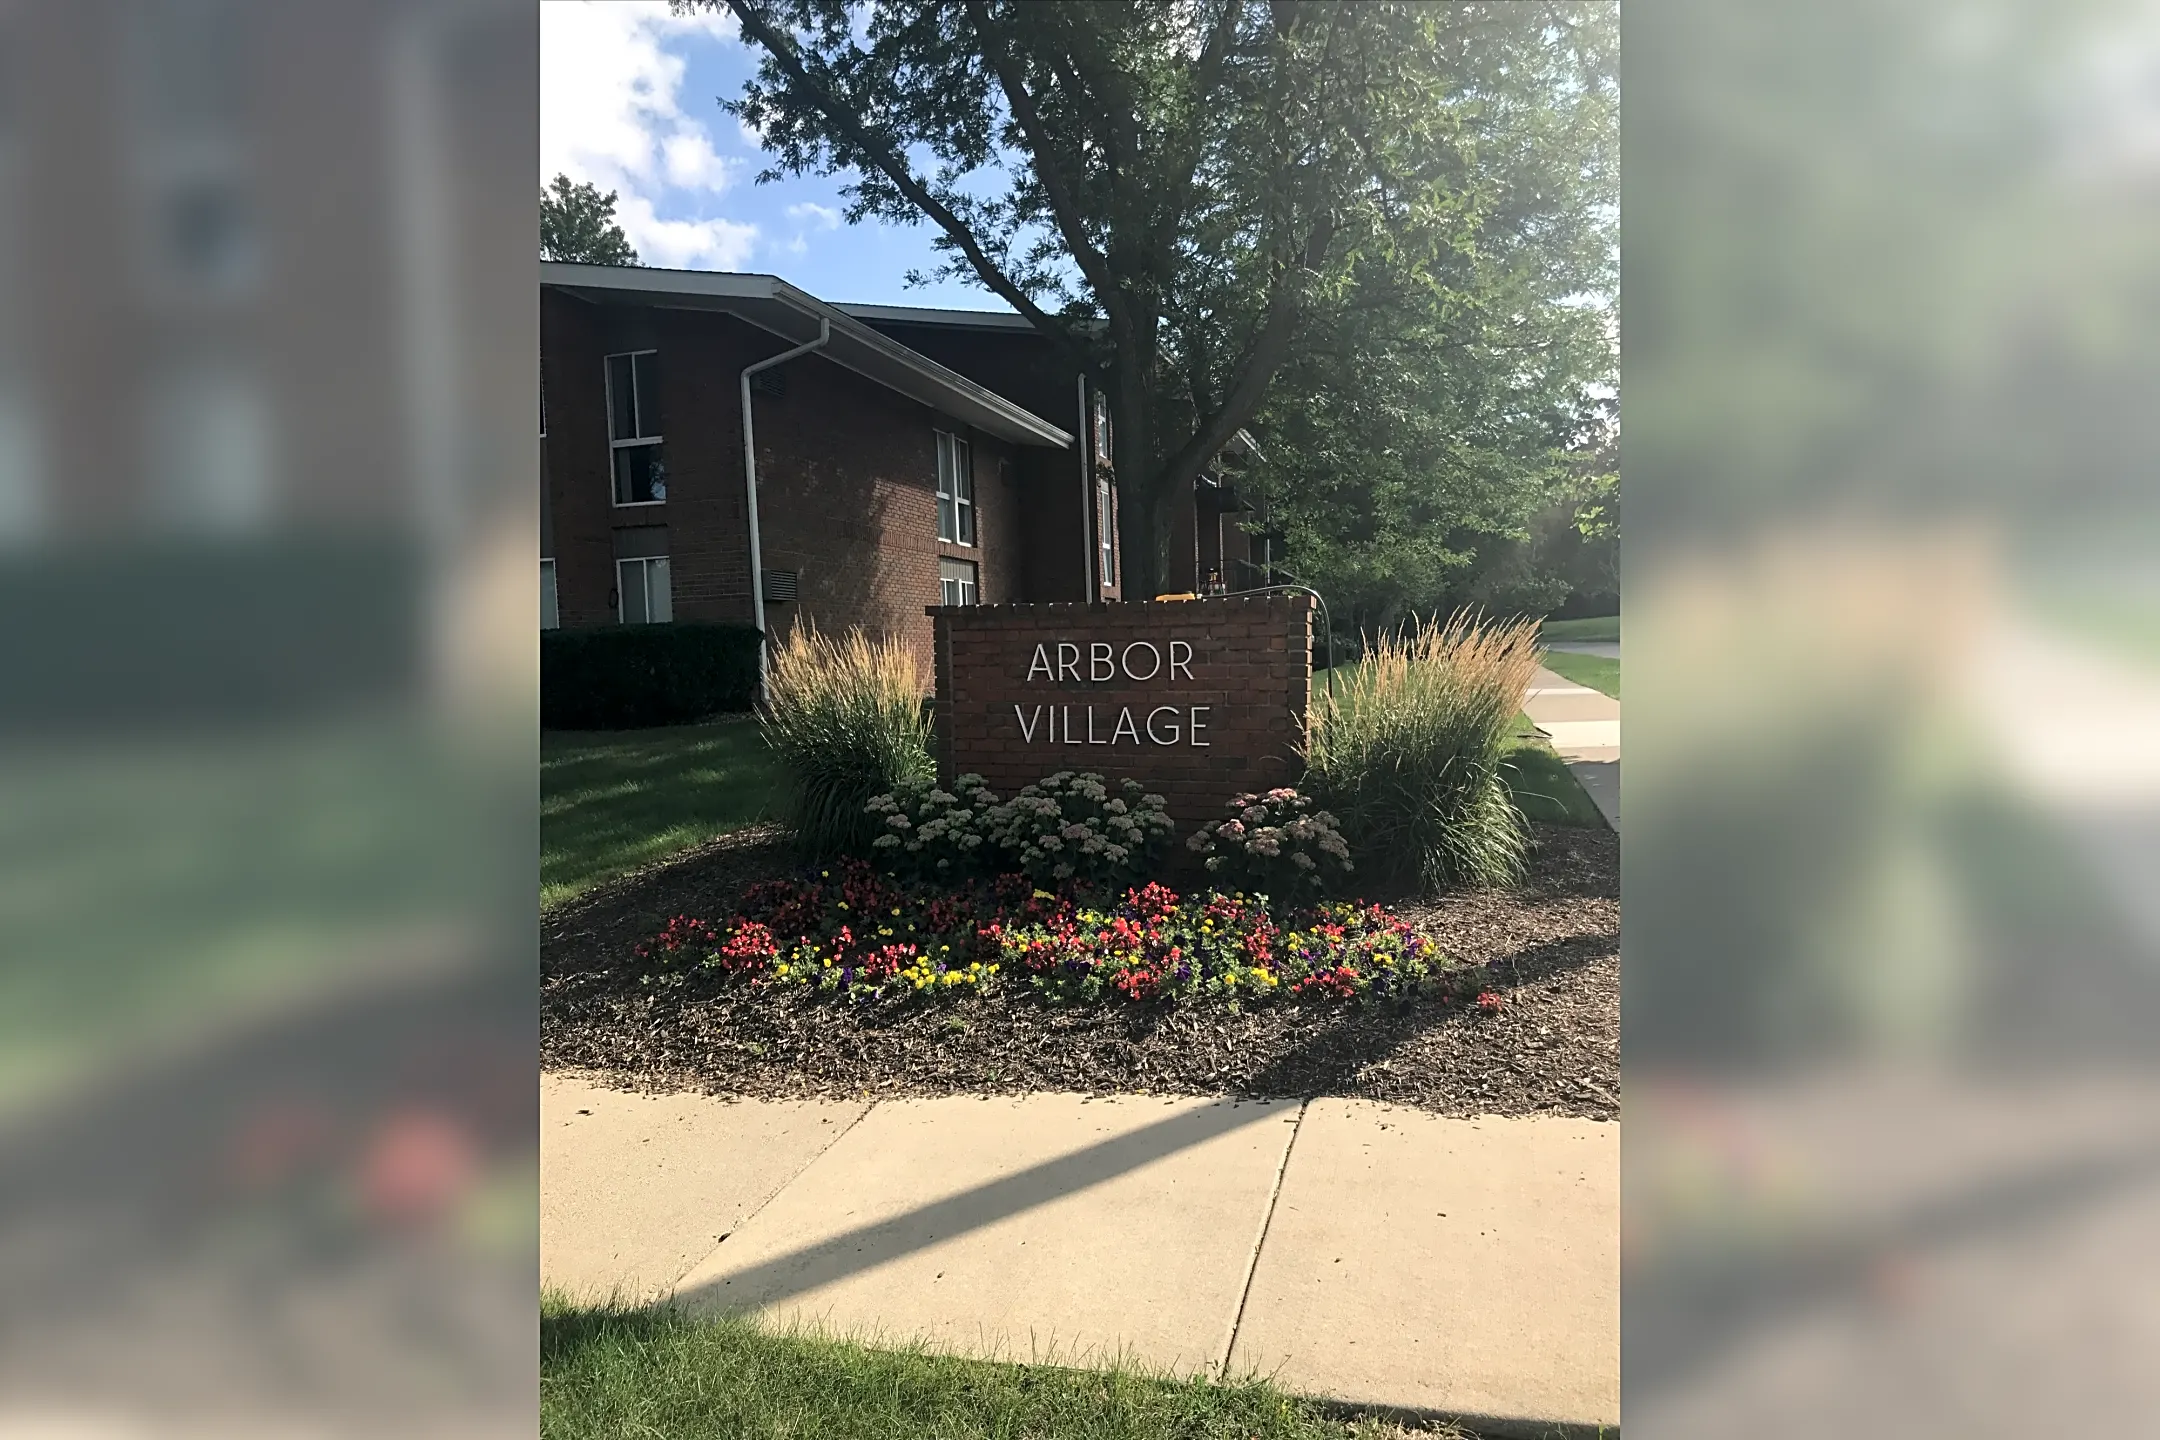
[(549, 619), (956, 583), (1102, 430), (1106, 529), (543, 402), (955, 491), (633, 399), (642, 592)]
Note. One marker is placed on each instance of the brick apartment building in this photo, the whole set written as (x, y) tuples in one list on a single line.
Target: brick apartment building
[(904, 458)]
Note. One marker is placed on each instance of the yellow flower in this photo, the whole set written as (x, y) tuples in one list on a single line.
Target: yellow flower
[(896, 909)]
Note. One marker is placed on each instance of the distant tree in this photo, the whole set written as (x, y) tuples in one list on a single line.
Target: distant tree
[(577, 223), (1195, 197)]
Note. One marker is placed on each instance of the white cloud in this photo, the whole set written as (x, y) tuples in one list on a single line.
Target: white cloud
[(611, 113), (693, 163), (826, 216), (686, 244)]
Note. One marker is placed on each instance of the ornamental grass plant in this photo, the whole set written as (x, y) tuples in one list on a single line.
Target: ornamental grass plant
[(1406, 750), (846, 721)]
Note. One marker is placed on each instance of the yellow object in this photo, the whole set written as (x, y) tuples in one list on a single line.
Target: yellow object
[(1188, 595)]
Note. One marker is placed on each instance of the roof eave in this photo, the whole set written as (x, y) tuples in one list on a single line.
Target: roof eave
[(742, 294)]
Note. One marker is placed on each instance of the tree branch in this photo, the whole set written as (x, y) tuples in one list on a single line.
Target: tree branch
[(1260, 362), (1063, 203), (1207, 74), (895, 169)]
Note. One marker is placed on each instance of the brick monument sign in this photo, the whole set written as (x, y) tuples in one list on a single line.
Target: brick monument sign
[(1197, 699)]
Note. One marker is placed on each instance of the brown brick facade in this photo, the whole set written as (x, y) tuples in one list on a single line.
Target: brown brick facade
[(847, 480), (1246, 670)]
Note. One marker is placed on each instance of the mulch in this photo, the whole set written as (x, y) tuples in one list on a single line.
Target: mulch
[(1553, 946)]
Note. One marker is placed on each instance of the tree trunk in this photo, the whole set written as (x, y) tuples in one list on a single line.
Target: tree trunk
[(1144, 527)]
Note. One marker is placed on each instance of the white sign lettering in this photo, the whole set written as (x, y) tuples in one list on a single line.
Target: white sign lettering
[(1140, 660)]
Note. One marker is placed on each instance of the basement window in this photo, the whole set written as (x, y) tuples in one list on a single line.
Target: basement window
[(957, 583), (642, 594), (955, 490)]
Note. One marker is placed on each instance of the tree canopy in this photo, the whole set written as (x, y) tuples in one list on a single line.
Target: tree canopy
[(577, 223), (1380, 233)]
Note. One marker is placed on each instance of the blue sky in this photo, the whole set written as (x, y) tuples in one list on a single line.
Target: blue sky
[(629, 99)]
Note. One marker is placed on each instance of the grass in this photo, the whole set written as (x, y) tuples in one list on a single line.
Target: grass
[(613, 801), (1599, 672), (1600, 627), (607, 1372), (1543, 787), (2128, 626)]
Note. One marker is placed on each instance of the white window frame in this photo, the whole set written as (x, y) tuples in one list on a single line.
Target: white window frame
[(644, 581), (637, 421), (956, 487), (959, 589), (1105, 531), (550, 596)]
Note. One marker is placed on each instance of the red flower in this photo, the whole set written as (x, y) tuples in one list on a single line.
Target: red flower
[(1489, 1002)]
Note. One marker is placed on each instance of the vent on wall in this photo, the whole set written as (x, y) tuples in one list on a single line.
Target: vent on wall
[(780, 586), (769, 382)]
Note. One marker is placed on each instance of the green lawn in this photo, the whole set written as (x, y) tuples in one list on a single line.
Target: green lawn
[(1599, 672), (1601, 627), (612, 1373), (613, 801), (1544, 788)]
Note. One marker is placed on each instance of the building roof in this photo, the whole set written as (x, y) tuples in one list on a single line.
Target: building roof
[(960, 319), (772, 304)]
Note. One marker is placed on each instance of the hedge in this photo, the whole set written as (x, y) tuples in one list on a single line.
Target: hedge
[(630, 676)]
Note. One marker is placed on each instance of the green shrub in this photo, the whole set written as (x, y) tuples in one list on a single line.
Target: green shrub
[(846, 721), (1064, 829), (935, 834), (1070, 828), (1275, 844), (1407, 747), (630, 677)]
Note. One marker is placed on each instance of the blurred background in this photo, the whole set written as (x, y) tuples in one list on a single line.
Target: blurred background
[(1892, 606), (268, 415)]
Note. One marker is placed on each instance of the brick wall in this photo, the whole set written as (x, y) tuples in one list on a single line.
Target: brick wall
[(1248, 671), (847, 480)]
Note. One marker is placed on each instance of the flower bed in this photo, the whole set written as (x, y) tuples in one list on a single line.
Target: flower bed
[(866, 938)]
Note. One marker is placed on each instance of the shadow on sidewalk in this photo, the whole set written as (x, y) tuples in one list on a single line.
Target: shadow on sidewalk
[(1325, 1062), (799, 1271)]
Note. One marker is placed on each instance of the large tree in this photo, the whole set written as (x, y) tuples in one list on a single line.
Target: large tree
[(1186, 195), (577, 222)]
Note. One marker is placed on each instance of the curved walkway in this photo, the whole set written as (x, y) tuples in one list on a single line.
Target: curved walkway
[(1584, 727)]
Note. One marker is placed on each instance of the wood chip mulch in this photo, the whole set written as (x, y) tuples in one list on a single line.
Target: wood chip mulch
[(1553, 1048)]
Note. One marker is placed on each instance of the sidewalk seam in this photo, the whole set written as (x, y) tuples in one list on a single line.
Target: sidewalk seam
[(758, 1209), (1267, 1223)]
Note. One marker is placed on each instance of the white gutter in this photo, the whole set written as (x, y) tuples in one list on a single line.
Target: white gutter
[(749, 458), (1090, 578)]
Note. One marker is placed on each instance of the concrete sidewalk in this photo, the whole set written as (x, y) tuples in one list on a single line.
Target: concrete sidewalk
[(1584, 727), (1467, 1268)]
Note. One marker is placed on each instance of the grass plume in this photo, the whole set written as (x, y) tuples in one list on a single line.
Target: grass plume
[(1406, 749), (845, 719)]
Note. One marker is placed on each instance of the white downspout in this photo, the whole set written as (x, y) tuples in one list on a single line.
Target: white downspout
[(749, 466), (1090, 581)]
